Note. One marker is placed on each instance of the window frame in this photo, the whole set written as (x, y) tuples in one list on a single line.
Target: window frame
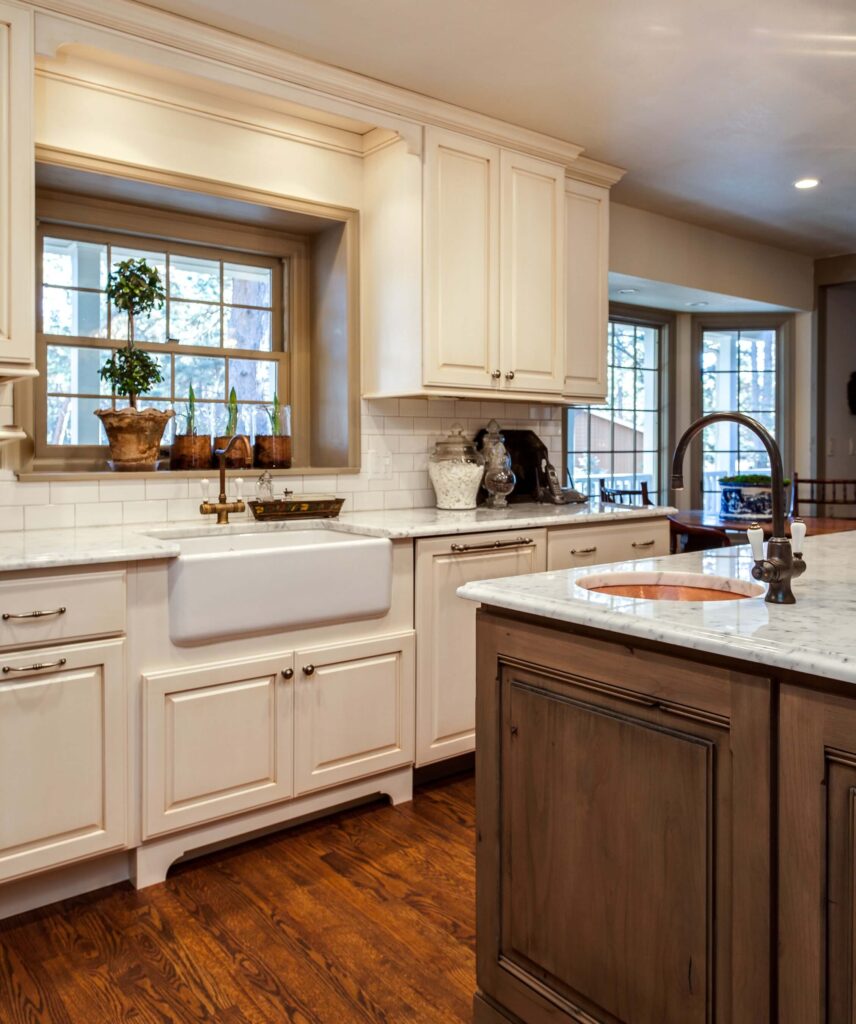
[(71, 216), (665, 322), (782, 324)]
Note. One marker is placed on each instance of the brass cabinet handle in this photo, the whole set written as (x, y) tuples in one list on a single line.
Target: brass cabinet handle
[(518, 542), (35, 667), (309, 670), (584, 551), (510, 375), (643, 543), (496, 374), (287, 673), (32, 615)]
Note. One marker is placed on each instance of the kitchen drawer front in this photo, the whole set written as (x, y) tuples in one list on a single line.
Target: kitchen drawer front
[(575, 546), (53, 609)]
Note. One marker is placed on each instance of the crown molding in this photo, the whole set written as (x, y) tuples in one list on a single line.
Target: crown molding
[(594, 172), (163, 38)]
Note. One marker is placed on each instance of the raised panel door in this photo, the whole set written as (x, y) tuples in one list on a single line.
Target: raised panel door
[(531, 274), (461, 261)]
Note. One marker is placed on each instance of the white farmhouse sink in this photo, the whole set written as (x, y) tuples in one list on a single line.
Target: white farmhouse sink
[(236, 583)]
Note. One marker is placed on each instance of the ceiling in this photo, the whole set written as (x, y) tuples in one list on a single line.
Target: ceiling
[(715, 108), (639, 291)]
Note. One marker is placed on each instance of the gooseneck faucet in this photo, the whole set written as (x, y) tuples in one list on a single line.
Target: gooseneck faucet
[(222, 507), (782, 563)]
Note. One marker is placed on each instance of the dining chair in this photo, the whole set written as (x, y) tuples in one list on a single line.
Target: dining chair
[(687, 537), (822, 492), (617, 496)]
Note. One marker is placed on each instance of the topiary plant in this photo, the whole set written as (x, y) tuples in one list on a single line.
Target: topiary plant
[(135, 288)]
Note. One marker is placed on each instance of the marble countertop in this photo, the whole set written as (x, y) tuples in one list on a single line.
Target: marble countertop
[(42, 549), (815, 636)]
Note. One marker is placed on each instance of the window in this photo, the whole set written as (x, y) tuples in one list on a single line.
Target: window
[(222, 326), (621, 440), (740, 370)]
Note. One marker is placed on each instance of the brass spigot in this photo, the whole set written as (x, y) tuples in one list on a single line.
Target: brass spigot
[(222, 507)]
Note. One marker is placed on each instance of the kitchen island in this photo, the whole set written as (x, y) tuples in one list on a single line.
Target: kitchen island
[(666, 798)]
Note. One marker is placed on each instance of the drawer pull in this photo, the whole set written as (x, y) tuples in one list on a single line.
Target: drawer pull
[(643, 543), (584, 551), (34, 668), (518, 542), (32, 615)]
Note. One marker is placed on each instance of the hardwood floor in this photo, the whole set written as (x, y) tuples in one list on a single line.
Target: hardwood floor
[(368, 916)]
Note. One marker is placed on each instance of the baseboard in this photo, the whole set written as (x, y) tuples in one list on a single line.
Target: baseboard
[(485, 1012), (462, 764)]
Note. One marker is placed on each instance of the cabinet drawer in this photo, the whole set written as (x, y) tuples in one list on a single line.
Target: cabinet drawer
[(574, 546), (51, 609)]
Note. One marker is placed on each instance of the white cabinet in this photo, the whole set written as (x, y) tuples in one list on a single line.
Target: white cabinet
[(63, 741), (445, 626), (17, 190), (218, 739), (574, 546), (586, 290), (354, 710)]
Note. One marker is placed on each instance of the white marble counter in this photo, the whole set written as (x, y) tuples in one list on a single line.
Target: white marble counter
[(817, 635), (41, 549)]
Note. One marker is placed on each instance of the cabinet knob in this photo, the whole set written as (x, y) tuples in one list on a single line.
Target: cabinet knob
[(496, 374), (309, 670), (510, 375), (287, 673)]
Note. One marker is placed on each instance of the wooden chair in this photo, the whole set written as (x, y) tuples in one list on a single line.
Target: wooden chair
[(684, 537), (616, 496), (822, 492)]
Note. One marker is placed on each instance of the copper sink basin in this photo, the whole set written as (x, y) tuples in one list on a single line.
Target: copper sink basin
[(669, 586)]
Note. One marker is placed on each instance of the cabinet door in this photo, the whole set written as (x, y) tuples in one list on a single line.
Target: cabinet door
[(354, 708), (461, 261), (586, 290), (624, 833), (63, 742), (217, 740), (531, 274), (17, 186), (445, 625)]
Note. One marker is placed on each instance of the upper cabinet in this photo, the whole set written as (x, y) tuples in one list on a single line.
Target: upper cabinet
[(17, 189), (511, 269)]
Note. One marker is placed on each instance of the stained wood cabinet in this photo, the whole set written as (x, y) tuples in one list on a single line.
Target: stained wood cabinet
[(63, 729), (624, 823)]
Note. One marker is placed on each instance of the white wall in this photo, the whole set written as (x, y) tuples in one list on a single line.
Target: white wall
[(837, 462)]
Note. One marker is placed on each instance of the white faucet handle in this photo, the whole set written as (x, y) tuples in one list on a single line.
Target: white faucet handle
[(239, 488), (797, 535), (204, 486), (756, 539)]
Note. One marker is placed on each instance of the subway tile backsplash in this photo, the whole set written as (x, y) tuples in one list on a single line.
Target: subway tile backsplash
[(397, 436)]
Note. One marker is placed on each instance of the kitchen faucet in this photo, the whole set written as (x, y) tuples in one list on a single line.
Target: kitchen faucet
[(782, 563), (222, 507)]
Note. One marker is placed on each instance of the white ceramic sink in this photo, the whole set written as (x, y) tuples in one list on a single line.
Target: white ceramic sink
[(669, 586), (229, 584)]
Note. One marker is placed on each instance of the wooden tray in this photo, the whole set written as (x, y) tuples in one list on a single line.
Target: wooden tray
[(298, 507)]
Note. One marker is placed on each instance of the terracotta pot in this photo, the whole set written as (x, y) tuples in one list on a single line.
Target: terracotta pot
[(134, 436), (239, 457), (190, 451), (273, 451)]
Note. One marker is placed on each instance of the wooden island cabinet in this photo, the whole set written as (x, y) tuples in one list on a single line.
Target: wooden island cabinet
[(662, 838)]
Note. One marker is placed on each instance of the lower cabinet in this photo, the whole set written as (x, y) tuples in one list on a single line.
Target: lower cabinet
[(63, 744), (624, 836), (445, 625), (570, 547)]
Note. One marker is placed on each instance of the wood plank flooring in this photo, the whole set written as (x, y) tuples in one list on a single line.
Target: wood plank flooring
[(368, 916)]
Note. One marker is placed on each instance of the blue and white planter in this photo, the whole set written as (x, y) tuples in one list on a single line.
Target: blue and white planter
[(741, 501)]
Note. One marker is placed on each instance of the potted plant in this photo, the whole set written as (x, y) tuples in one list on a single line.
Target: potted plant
[(747, 496), (237, 457), (273, 450), (134, 434), (190, 450)]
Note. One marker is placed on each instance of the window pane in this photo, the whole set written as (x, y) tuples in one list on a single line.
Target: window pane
[(75, 370), (73, 264), (150, 328), (254, 380), (120, 253), (247, 286), (207, 375), (247, 328), (192, 323), (73, 420), (73, 313), (194, 278)]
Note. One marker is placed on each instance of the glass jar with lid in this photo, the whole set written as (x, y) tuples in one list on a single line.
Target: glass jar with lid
[(456, 468)]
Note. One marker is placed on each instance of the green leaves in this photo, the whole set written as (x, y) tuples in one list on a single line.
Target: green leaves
[(130, 373), (232, 419), (135, 287)]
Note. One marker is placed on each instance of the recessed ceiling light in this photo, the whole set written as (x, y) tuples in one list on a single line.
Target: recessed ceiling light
[(698, 304), (804, 183), (627, 291)]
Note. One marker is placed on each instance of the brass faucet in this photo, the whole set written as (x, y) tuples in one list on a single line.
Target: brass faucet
[(782, 563), (222, 507)]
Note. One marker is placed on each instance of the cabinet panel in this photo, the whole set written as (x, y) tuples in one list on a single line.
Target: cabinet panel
[(354, 707), (461, 261), (17, 186), (531, 274), (586, 290), (575, 546), (445, 625), (218, 740), (62, 756)]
